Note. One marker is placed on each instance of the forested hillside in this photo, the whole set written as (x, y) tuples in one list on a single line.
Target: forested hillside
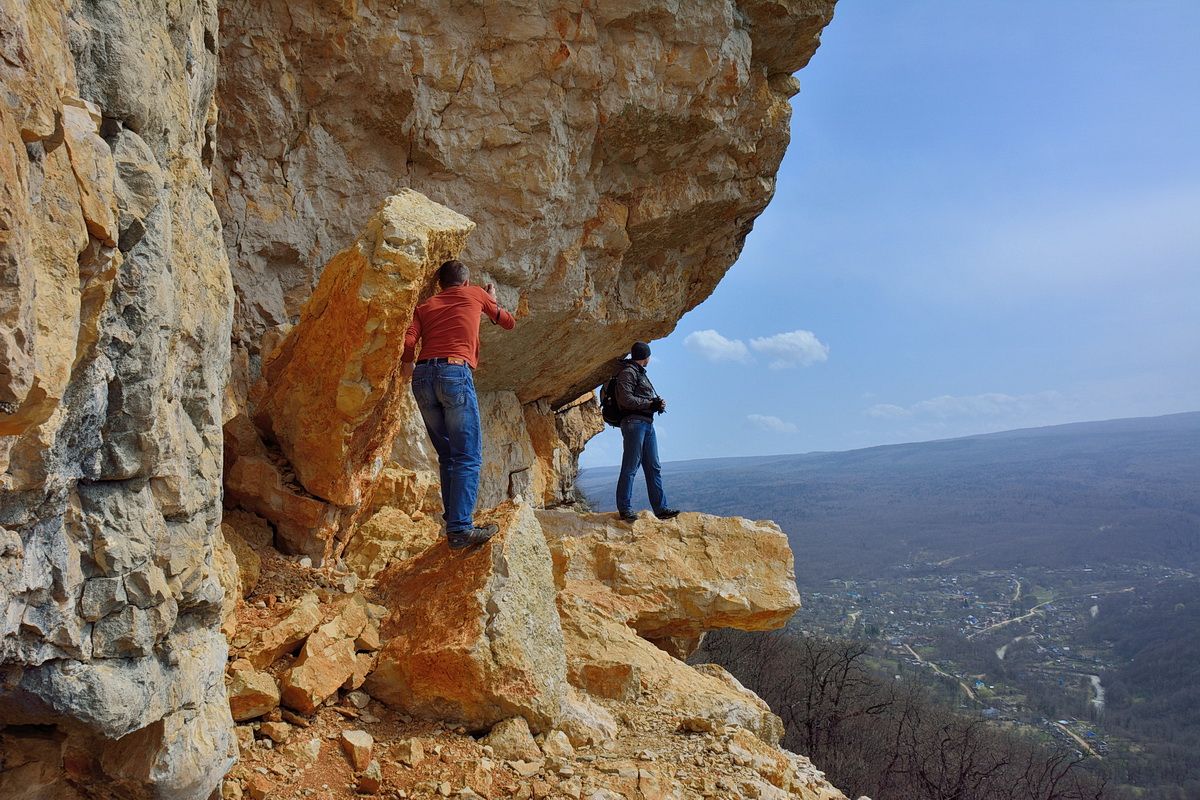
[(1104, 492)]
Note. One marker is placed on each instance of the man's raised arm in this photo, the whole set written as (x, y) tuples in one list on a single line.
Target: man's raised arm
[(494, 312)]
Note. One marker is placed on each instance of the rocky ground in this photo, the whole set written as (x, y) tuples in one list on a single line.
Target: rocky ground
[(304, 638)]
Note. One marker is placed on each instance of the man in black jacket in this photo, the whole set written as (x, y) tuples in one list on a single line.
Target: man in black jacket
[(637, 399)]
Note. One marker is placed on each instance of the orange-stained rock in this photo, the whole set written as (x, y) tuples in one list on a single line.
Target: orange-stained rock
[(558, 437), (248, 562), (358, 746), (677, 578), (474, 635), (326, 661), (615, 680), (256, 482), (389, 535), (331, 393), (251, 693), (593, 638), (285, 635)]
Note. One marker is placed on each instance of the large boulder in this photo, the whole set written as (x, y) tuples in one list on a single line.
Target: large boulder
[(674, 580), (474, 636), (607, 659), (331, 395)]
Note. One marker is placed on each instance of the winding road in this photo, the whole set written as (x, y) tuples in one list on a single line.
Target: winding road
[(943, 673)]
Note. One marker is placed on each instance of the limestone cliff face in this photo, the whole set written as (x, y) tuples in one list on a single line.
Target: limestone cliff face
[(115, 302), (614, 155)]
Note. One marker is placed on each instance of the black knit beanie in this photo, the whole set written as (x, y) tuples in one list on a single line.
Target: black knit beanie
[(639, 351)]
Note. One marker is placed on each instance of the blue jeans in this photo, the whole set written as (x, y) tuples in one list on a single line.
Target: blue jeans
[(641, 449), (445, 394)]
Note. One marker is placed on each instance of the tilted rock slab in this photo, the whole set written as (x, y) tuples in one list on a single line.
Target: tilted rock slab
[(607, 659), (331, 396), (115, 309), (474, 636), (676, 579)]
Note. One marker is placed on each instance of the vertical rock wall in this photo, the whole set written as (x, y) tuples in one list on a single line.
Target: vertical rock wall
[(115, 306)]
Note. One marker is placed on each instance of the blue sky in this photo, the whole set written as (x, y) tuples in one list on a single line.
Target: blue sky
[(988, 218)]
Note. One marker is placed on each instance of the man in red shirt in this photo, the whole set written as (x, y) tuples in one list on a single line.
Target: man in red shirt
[(447, 326)]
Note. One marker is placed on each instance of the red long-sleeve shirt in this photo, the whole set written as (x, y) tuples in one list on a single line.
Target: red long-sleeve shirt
[(447, 324)]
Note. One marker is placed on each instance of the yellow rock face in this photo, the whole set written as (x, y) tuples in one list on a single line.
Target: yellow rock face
[(330, 397), (474, 635), (679, 578)]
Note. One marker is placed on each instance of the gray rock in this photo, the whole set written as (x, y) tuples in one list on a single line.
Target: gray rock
[(100, 597)]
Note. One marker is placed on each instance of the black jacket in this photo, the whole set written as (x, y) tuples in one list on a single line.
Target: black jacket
[(635, 394)]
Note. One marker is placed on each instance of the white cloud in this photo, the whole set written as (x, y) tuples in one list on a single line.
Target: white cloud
[(772, 424), (715, 347), (793, 349), (887, 411), (986, 405)]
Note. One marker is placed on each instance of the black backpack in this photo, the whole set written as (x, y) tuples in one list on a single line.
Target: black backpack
[(609, 409)]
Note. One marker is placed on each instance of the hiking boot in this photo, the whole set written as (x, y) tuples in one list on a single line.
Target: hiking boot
[(667, 513), (471, 536), (627, 516)]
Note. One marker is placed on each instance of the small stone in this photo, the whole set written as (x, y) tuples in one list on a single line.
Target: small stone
[(444, 789), (259, 787), (358, 746), (293, 718), (359, 700), (371, 779), (251, 693), (306, 562), (368, 718), (526, 769), (557, 744), (245, 737), (698, 725), (511, 740), (573, 787), (278, 732), (409, 752)]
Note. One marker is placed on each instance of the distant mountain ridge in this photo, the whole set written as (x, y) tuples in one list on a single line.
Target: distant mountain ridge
[(1114, 491)]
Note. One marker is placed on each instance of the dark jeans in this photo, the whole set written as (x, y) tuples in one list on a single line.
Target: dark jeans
[(641, 449), (445, 394)]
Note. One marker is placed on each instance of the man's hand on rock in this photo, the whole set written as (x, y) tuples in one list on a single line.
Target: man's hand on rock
[(406, 370), (491, 289)]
